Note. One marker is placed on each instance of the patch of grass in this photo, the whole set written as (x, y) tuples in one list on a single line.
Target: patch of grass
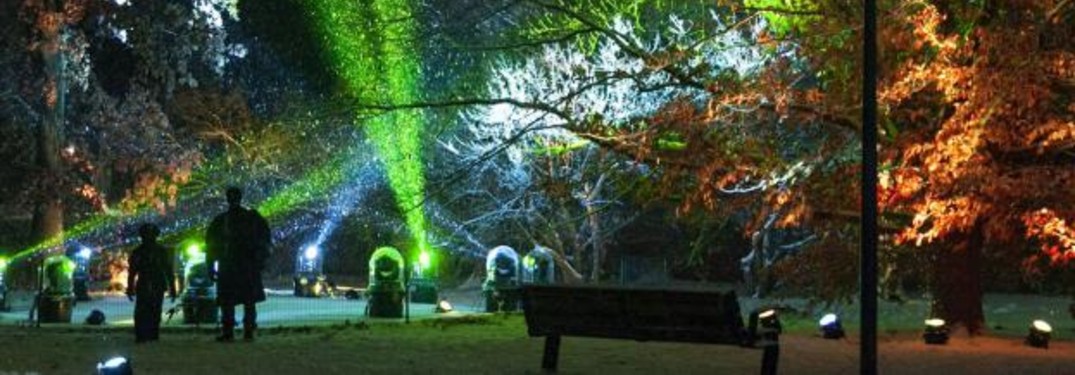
[(1007, 315)]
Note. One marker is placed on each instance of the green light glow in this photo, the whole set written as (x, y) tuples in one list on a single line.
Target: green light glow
[(384, 252), (311, 187), (315, 185), (370, 47), (192, 249), (63, 264), (784, 22), (88, 226), (3, 264), (424, 260)]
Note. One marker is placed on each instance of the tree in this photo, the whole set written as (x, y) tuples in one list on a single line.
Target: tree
[(981, 132), (709, 108), (94, 81)]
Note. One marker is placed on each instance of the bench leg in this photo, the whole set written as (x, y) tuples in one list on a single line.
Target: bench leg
[(769, 357), (552, 353)]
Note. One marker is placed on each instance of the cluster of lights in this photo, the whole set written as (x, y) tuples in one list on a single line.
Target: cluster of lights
[(937, 330)]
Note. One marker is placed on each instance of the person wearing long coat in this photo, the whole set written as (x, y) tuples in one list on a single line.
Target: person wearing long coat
[(238, 241), (150, 275)]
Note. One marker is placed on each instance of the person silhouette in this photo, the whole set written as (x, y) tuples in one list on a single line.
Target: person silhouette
[(149, 276), (237, 246)]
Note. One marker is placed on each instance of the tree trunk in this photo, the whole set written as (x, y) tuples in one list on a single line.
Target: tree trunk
[(48, 210), (957, 282), (593, 218), (48, 220), (596, 242)]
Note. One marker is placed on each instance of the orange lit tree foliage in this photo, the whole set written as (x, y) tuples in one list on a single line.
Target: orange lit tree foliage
[(978, 138), (777, 144), (977, 105)]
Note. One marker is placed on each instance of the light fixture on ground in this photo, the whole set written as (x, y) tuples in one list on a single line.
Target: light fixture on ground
[(763, 331), (539, 266), (443, 306), (831, 327), (309, 272), (115, 366), (57, 300), (423, 282), (386, 288), (81, 277), (764, 326), (199, 294), (501, 287), (3, 287), (936, 332), (1040, 333)]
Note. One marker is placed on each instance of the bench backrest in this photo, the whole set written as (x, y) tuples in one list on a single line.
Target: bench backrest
[(638, 314)]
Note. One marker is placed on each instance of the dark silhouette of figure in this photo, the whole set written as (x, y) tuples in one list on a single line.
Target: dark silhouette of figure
[(149, 276), (238, 241)]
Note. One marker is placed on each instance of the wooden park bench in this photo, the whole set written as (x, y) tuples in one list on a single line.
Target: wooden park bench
[(705, 317)]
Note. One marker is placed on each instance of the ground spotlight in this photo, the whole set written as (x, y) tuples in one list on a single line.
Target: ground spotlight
[(443, 306), (424, 260), (309, 280), (1040, 332), (115, 366), (81, 276), (501, 286), (386, 288), (936, 332), (3, 288), (194, 251), (96, 318), (311, 252), (831, 327), (765, 325)]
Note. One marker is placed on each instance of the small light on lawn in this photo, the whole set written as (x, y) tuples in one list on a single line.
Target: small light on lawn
[(115, 366), (444, 306), (831, 327), (1040, 333), (936, 332)]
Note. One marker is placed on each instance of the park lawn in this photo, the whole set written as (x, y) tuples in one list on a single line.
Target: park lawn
[(1007, 315), (498, 344)]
